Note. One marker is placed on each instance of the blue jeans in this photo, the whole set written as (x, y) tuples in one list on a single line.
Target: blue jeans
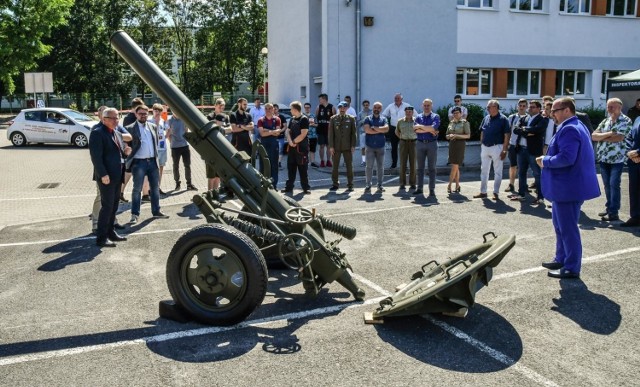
[(611, 175), (523, 167), (139, 169), (535, 168)]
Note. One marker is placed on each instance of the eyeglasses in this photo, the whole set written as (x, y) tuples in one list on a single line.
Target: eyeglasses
[(142, 114), (555, 110), (111, 118)]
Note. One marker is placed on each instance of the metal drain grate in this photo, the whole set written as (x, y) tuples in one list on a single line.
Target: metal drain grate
[(48, 185)]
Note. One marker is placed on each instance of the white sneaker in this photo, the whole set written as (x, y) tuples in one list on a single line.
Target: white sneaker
[(134, 219)]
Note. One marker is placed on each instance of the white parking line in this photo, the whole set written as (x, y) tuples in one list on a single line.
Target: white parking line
[(182, 334), (493, 353), (479, 345), (137, 233)]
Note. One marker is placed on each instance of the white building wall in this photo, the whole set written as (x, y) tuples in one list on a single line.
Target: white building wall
[(409, 49), (288, 44), (415, 46)]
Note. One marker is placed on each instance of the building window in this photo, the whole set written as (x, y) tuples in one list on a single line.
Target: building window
[(570, 82), (523, 82), (527, 5), (606, 75), (473, 81), (476, 3), (621, 7), (575, 6)]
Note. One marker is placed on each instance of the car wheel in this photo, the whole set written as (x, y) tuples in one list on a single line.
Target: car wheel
[(80, 140), (18, 139)]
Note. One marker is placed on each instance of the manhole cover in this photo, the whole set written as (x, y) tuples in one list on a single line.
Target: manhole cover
[(48, 185)]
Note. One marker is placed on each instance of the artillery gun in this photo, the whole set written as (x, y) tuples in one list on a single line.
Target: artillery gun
[(217, 272)]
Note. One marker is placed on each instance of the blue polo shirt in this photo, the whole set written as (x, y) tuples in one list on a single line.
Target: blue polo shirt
[(493, 129), (431, 119), (375, 140)]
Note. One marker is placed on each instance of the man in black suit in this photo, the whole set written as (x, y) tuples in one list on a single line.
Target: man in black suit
[(143, 161), (107, 154), (534, 133)]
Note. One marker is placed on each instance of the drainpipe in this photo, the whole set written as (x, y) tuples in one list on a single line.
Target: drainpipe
[(358, 53)]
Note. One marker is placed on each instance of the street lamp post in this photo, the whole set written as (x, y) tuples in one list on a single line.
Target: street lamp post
[(265, 52)]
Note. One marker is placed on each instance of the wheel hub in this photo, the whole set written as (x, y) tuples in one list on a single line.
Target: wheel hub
[(211, 279)]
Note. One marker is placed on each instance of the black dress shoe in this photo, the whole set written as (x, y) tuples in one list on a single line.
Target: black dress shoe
[(333, 188), (287, 191), (562, 273), (417, 192), (631, 223), (118, 226), (552, 265), (117, 237), (105, 243), (161, 192), (145, 199), (610, 218), (601, 214), (306, 192), (160, 215), (122, 198)]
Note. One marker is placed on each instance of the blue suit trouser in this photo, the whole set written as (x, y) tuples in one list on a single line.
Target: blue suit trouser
[(565, 217)]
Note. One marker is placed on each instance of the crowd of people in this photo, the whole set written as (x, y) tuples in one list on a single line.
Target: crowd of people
[(548, 137)]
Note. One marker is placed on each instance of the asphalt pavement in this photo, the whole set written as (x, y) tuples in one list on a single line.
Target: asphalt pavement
[(76, 315)]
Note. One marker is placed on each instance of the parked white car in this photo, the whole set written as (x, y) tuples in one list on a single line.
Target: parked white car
[(50, 125)]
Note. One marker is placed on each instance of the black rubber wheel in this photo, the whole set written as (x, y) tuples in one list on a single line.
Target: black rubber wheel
[(217, 274), (18, 139), (80, 140)]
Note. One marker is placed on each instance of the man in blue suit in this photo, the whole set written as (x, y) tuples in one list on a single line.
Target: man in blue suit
[(107, 153), (568, 179)]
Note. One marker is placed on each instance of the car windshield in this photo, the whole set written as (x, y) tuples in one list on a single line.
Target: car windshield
[(78, 116)]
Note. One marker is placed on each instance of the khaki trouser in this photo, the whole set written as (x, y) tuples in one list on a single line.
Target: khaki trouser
[(348, 160), (408, 150)]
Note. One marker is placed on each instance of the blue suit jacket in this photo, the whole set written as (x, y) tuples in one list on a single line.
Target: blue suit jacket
[(106, 156), (569, 172)]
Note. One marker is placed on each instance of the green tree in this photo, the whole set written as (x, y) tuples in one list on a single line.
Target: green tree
[(146, 23), (76, 60), (184, 19), (23, 26)]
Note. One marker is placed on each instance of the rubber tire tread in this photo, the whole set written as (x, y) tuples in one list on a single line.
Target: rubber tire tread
[(248, 253)]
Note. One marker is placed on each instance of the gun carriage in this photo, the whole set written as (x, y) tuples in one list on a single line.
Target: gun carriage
[(217, 272)]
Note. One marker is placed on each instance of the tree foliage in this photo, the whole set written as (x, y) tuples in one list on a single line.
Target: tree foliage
[(217, 43), (23, 26)]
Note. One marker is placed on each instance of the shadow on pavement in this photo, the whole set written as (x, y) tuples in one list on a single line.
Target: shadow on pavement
[(78, 250), (425, 342), (190, 211), (591, 311), (498, 206), (200, 343)]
